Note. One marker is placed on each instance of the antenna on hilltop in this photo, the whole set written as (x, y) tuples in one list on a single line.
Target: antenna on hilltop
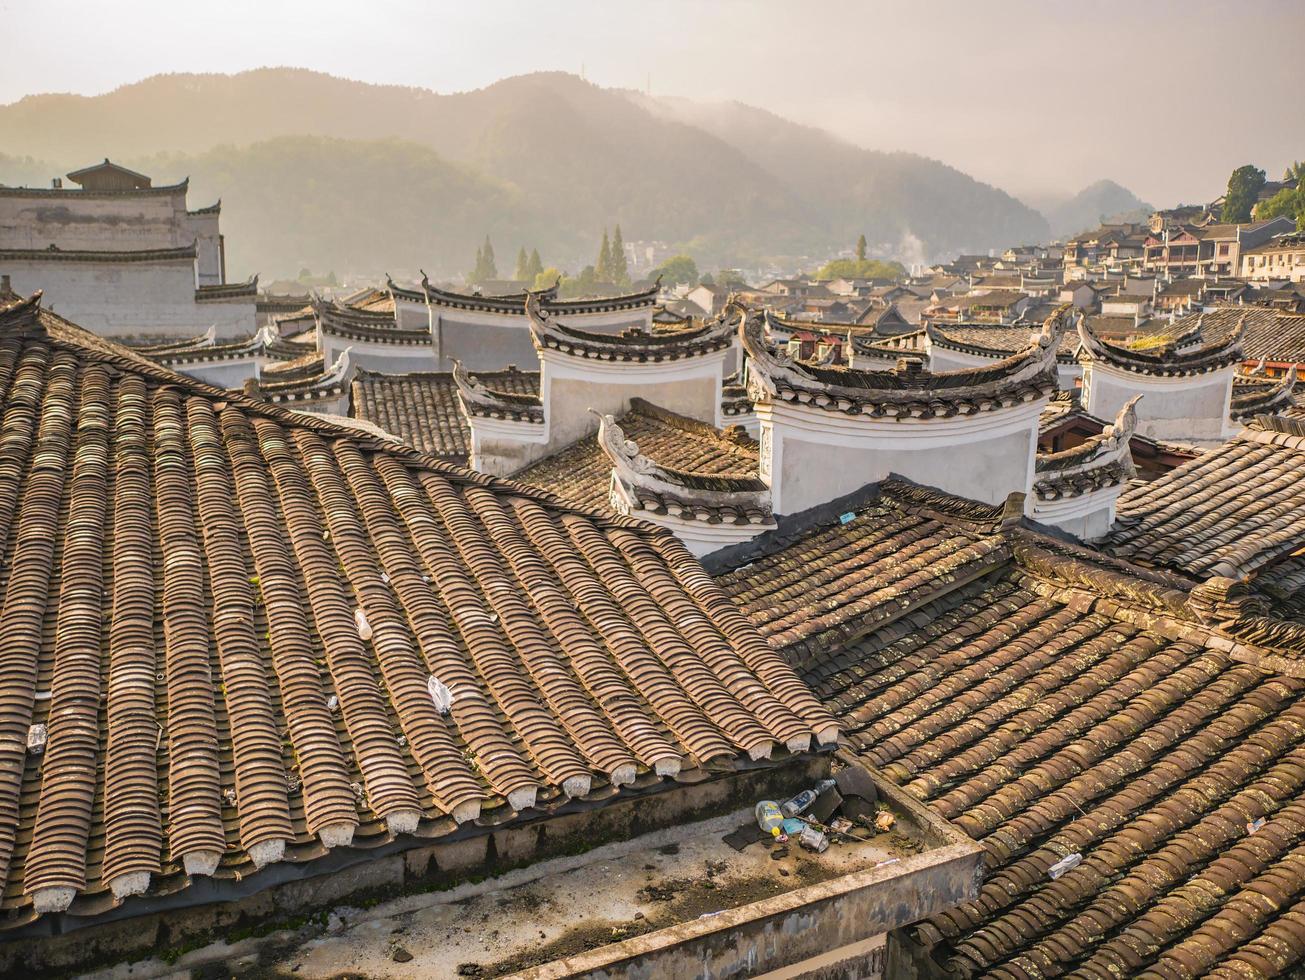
[(582, 71)]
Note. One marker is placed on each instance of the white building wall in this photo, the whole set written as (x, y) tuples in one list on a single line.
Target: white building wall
[(810, 456), (203, 230), (1187, 409), (391, 358), (485, 341), (130, 298)]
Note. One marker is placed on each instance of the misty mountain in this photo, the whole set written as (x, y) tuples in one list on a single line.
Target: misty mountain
[(1093, 204), (331, 173)]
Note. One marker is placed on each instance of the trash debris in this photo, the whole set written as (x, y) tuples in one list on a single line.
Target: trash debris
[(36, 736), (1255, 825), (847, 518), (802, 802), (841, 826), (360, 620), (769, 817), (827, 804), (1068, 863), (792, 825), (813, 840), (885, 821), (440, 694), (400, 955)]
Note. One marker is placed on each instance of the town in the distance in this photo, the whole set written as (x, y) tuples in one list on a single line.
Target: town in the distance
[(861, 616)]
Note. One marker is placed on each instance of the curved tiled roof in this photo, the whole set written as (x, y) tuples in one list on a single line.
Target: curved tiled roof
[(1188, 353), (1103, 461), (662, 344), (372, 327), (582, 472), (83, 193), (422, 408), (909, 391), (227, 291), (1232, 510), (478, 400), (993, 340), (254, 636), (1253, 396), (713, 498), (515, 303)]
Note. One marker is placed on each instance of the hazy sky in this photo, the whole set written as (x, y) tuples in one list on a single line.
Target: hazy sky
[(1165, 96)]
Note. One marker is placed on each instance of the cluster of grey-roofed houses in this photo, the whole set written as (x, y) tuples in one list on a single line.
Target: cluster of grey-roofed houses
[(1055, 404)]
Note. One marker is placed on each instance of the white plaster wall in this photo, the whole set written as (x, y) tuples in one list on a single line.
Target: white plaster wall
[(810, 457), (1087, 517), (130, 298), (97, 223), (224, 374), (203, 229), (1182, 409), (489, 341), (411, 314), (393, 358)]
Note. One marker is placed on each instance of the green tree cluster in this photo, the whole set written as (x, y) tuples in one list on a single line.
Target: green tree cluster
[(528, 266), (486, 268), (861, 269), (678, 269), (1244, 186), (612, 266), (1287, 203)]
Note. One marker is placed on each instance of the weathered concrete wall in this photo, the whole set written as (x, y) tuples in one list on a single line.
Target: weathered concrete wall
[(203, 229), (114, 223), (569, 401), (147, 926)]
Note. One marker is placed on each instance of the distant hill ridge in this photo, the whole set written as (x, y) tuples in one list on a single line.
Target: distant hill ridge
[(1100, 201), (338, 174)]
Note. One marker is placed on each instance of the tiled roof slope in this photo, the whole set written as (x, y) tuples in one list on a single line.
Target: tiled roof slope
[(232, 635), (422, 408), (1139, 791), (1229, 512), (582, 472)]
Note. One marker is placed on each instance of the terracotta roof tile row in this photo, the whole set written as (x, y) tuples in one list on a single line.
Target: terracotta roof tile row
[(1139, 793), (232, 635), (422, 408), (1228, 512), (582, 472)]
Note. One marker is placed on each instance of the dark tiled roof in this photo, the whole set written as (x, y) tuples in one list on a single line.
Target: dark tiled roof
[(422, 408), (663, 343), (995, 340), (857, 568), (232, 636), (1139, 793), (1226, 513), (908, 391), (1189, 347), (582, 472)]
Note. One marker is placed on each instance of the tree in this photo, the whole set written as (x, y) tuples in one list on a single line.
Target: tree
[(677, 269), (523, 265), (545, 278), (1295, 171), (860, 249), (730, 279), (860, 269), (1244, 187), (603, 267), (620, 269), (491, 270), (1287, 203), (535, 266)]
